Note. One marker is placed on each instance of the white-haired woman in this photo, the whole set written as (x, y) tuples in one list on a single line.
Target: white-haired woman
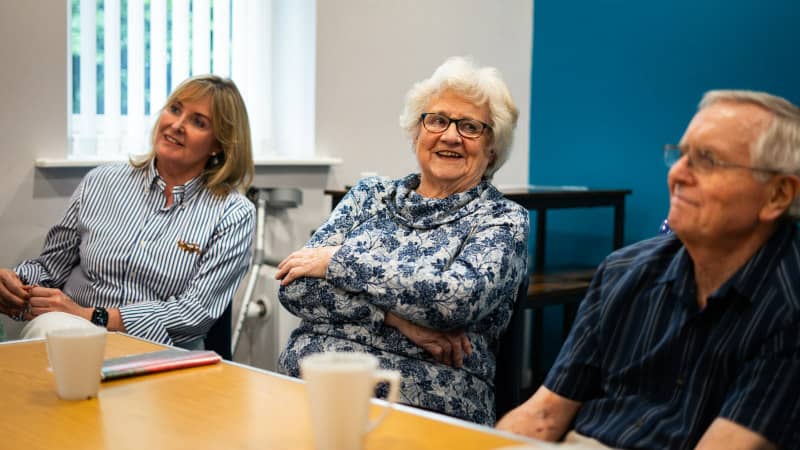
[(422, 271)]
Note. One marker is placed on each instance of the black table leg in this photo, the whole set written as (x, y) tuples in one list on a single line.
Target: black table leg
[(541, 230)]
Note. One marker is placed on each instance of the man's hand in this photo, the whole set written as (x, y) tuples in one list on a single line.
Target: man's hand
[(13, 295), (306, 262), (447, 347), (546, 415), (43, 300), (728, 435)]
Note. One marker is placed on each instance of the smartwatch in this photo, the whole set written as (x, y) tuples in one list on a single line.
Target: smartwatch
[(100, 316)]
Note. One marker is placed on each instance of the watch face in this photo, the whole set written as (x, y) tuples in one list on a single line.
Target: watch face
[(100, 316)]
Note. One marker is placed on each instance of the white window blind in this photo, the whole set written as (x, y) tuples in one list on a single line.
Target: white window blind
[(128, 55)]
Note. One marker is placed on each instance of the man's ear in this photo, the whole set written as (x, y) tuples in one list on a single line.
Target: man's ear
[(783, 192)]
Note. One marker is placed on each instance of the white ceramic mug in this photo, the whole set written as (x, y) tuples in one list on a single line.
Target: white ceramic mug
[(339, 386), (76, 357)]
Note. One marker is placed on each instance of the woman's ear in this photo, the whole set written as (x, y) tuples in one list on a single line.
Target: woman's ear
[(783, 192), (414, 142)]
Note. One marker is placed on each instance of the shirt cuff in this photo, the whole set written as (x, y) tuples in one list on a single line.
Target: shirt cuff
[(140, 321)]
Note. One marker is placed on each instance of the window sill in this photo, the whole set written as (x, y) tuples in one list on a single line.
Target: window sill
[(317, 161)]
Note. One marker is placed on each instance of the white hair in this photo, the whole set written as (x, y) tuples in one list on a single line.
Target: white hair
[(480, 85), (778, 146)]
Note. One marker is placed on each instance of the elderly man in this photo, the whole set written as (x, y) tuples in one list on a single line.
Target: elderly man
[(692, 340)]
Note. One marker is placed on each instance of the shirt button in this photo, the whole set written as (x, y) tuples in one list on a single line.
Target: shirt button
[(679, 382), (639, 423), (142, 244)]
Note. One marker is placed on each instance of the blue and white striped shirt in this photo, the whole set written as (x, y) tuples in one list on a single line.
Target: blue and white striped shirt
[(171, 271), (654, 371)]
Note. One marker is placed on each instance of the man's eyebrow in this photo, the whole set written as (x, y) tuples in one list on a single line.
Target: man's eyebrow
[(705, 147)]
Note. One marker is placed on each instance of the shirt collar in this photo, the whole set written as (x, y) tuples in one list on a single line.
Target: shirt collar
[(680, 273), (180, 193), (747, 281), (750, 279), (678, 265), (415, 211)]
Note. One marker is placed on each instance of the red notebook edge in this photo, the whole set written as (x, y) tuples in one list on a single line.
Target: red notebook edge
[(154, 362)]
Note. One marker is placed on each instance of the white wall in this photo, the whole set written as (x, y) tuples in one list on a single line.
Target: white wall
[(33, 109), (369, 53), (33, 54)]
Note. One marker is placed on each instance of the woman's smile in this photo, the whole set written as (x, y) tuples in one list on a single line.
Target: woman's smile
[(172, 140)]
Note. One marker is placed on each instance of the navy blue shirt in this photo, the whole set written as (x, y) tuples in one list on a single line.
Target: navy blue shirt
[(653, 370)]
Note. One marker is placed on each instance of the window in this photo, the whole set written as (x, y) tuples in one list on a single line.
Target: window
[(127, 55)]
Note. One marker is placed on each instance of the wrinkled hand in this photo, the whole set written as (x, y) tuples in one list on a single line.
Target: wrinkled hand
[(13, 294), (520, 421), (306, 262), (44, 300), (545, 416), (447, 347)]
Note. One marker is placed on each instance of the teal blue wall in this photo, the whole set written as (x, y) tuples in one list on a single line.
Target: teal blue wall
[(614, 80)]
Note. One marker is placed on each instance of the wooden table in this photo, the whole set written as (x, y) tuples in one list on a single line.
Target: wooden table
[(223, 406)]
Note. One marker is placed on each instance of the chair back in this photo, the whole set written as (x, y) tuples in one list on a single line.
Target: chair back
[(219, 336), (508, 372)]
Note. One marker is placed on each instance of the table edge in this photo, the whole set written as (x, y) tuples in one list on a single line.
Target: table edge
[(400, 407)]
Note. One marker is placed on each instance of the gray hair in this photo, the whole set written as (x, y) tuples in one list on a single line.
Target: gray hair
[(778, 146), (475, 84)]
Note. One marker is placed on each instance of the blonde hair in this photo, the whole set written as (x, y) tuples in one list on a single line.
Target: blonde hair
[(231, 128), (475, 84)]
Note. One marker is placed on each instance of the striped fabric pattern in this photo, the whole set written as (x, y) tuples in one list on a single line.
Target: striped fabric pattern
[(171, 271), (653, 370)]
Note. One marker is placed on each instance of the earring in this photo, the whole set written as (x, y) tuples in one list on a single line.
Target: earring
[(214, 161)]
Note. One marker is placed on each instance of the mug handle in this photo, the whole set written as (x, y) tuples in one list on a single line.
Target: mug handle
[(393, 378)]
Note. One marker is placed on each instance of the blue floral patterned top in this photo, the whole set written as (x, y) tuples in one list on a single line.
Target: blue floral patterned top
[(452, 263)]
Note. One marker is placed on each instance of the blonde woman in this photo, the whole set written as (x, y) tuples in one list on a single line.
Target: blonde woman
[(156, 247)]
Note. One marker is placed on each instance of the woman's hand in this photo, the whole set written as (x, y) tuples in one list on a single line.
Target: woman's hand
[(13, 295), (306, 262), (447, 347), (45, 300)]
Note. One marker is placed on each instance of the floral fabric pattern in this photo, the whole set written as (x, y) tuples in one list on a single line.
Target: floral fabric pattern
[(452, 263)]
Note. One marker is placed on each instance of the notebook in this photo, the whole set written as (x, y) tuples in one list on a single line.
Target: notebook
[(152, 362)]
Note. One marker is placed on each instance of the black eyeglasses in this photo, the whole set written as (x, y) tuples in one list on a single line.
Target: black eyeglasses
[(703, 161), (468, 128)]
